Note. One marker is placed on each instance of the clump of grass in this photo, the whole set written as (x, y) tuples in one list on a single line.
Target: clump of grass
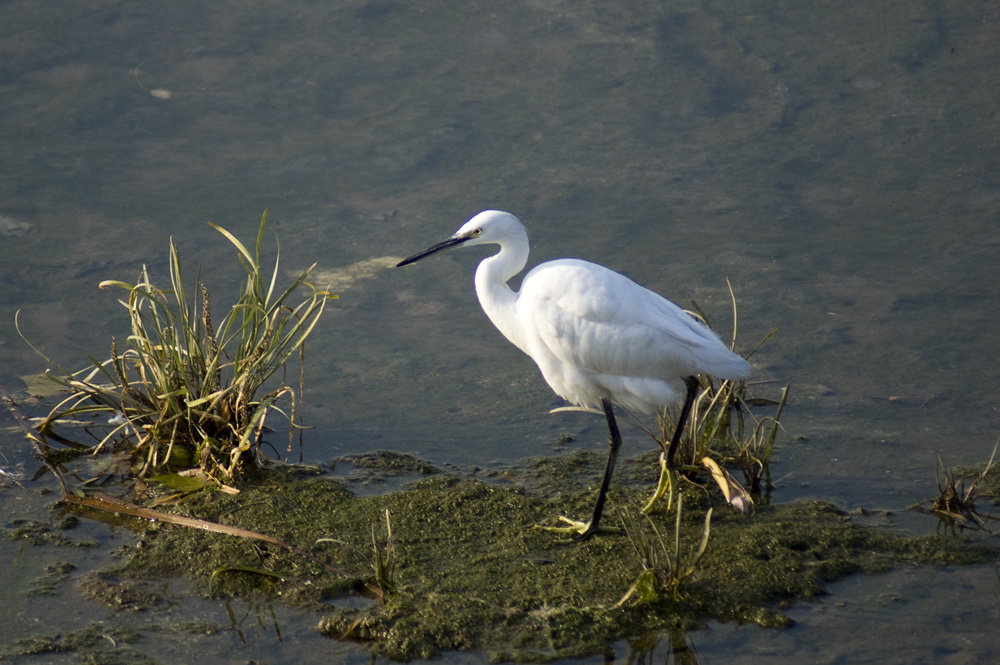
[(958, 494), (665, 566), (756, 443), (721, 423), (183, 394)]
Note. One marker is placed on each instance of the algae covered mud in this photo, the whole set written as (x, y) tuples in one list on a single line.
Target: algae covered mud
[(465, 569)]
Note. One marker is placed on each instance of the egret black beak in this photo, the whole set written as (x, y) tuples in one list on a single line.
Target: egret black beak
[(453, 241)]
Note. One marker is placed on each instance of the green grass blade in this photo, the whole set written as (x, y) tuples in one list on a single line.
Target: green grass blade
[(236, 243)]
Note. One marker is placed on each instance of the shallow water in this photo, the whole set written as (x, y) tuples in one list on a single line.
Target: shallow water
[(838, 164)]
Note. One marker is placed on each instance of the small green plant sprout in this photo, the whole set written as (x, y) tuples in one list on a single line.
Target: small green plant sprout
[(182, 394), (955, 504), (384, 561), (665, 569)]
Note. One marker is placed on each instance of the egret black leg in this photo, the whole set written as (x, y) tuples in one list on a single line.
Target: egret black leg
[(693, 385), (614, 445)]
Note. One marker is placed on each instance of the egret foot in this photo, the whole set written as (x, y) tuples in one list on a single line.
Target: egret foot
[(576, 529)]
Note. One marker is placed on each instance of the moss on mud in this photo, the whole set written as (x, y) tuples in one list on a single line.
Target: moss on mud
[(471, 572)]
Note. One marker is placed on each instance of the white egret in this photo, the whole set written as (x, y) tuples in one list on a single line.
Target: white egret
[(598, 337)]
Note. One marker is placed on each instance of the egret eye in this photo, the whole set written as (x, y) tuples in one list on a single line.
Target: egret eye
[(477, 232)]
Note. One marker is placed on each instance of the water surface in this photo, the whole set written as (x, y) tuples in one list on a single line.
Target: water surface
[(838, 164)]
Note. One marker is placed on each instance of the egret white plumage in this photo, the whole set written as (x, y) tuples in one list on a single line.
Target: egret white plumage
[(597, 337)]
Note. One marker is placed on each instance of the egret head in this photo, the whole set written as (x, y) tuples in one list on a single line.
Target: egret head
[(489, 226)]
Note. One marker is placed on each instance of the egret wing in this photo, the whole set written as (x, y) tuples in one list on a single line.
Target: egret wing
[(595, 319)]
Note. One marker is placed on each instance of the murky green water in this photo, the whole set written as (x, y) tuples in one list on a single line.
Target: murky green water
[(838, 164)]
